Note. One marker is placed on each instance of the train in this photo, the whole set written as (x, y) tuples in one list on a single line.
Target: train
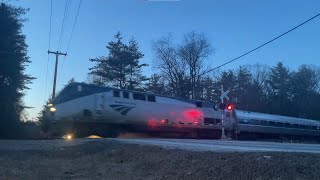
[(83, 109)]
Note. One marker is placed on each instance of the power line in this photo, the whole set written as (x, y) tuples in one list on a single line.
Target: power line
[(45, 94), (69, 42), (66, 7), (50, 24), (74, 25), (262, 45)]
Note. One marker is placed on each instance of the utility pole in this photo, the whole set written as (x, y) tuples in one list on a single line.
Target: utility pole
[(57, 53)]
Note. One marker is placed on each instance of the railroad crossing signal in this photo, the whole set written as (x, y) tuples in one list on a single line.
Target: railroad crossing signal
[(224, 94)]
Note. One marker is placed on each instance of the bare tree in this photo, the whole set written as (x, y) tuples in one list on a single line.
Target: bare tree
[(182, 65), (260, 73), (170, 66), (193, 51), (316, 69)]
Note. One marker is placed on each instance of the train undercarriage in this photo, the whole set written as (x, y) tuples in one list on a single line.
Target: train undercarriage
[(84, 129)]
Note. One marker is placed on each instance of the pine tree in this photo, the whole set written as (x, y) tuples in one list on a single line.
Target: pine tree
[(303, 90), (279, 93), (242, 86), (13, 61), (121, 68), (208, 89)]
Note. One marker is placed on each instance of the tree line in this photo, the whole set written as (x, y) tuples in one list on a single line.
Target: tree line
[(180, 71)]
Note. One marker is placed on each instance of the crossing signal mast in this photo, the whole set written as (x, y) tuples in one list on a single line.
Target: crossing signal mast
[(223, 107)]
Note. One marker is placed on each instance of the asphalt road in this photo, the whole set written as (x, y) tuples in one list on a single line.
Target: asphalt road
[(225, 145)]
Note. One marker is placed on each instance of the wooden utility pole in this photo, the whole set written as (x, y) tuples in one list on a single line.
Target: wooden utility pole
[(57, 53)]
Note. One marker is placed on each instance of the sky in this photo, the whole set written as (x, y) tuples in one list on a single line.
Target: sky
[(232, 27)]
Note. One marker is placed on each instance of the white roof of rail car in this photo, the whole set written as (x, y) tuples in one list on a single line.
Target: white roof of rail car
[(275, 118), (99, 89)]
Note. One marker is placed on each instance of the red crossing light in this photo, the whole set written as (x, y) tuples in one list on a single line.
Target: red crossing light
[(230, 107), (164, 121)]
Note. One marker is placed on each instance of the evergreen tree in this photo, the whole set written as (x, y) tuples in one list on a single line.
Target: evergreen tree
[(13, 61), (72, 80), (278, 88), (121, 68), (303, 90), (242, 87), (95, 80), (208, 89)]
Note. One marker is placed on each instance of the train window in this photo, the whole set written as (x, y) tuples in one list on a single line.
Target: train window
[(139, 96), (116, 93), (295, 125), (254, 122), (287, 125), (151, 98), (211, 121), (265, 123), (199, 104), (125, 95), (272, 123), (279, 124), (243, 121)]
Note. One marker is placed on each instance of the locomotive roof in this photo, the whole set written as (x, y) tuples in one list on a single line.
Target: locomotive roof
[(88, 89), (275, 118)]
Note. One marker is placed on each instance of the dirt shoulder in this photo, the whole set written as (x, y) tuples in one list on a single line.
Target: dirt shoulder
[(113, 160)]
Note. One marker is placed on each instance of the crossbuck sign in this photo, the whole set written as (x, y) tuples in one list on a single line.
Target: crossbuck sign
[(224, 94)]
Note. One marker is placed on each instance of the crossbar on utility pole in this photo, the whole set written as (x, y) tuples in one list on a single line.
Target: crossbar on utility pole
[(57, 53)]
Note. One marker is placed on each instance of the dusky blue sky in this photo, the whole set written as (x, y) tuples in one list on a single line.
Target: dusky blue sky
[(232, 27)]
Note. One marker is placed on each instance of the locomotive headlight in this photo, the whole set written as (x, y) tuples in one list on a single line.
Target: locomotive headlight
[(50, 105), (53, 109), (68, 137)]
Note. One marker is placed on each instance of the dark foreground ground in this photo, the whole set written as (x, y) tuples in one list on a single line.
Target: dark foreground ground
[(113, 160)]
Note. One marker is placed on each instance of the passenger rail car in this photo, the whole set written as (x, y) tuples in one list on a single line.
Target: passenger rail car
[(260, 125), (89, 109)]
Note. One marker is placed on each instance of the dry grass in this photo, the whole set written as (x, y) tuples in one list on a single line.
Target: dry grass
[(112, 160)]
